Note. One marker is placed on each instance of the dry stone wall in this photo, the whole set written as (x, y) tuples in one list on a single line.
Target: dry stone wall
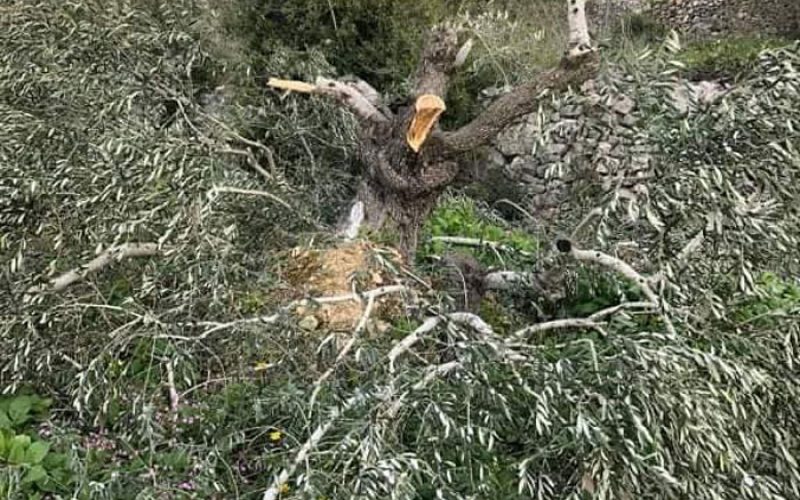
[(719, 17), (593, 142), (590, 141), (705, 18)]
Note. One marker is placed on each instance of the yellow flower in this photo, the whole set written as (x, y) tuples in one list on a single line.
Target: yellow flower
[(275, 436), (283, 489), (261, 366)]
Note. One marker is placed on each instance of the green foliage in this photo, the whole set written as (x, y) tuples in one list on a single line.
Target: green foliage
[(376, 40), (775, 297), (461, 217), (592, 291), (727, 58), (28, 467), (709, 412), (17, 412)]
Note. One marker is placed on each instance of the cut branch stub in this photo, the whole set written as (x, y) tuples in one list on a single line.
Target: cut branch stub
[(428, 109)]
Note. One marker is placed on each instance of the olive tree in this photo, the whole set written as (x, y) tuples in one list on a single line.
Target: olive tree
[(408, 160)]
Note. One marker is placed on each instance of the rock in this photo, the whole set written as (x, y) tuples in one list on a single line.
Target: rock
[(309, 323), (522, 164), (517, 140), (556, 149), (496, 158), (624, 105), (537, 188), (571, 111)]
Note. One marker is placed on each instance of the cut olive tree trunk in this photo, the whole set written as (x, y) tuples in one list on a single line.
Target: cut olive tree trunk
[(408, 161)]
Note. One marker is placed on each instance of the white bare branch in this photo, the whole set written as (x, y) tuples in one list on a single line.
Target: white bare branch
[(367, 90), (621, 267), (249, 192), (105, 259), (592, 322), (475, 242), (579, 41)]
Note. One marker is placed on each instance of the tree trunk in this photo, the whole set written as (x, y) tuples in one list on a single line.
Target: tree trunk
[(400, 187), (408, 162)]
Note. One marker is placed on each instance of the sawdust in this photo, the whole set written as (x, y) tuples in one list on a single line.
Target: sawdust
[(348, 268)]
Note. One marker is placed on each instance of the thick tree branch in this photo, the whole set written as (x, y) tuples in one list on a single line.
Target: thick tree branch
[(520, 102), (579, 41), (437, 63), (621, 267), (592, 322), (360, 98)]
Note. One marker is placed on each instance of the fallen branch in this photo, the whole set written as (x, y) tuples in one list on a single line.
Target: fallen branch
[(592, 322), (273, 491), (214, 327), (619, 266), (476, 242), (469, 319), (105, 259), (249, 192), (559, 324)]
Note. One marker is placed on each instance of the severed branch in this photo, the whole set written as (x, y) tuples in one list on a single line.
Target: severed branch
[(579, 41), (592, 322), (350, 95), (473, 321), (273, 492), (105, 259), (440, 57), (475, 242), (621, 267), (215, 326)]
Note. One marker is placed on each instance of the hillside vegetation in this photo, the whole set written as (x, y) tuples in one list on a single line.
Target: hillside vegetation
[(192, 363)]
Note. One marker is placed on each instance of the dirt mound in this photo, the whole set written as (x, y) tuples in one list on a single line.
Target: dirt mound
[(346, 269)]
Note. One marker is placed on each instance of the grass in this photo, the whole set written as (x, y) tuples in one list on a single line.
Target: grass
[(726, 59), (462, 217)]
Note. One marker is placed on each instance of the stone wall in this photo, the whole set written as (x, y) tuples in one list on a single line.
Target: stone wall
[(705, 18), (592, 138), (719, 17), (593, 142)]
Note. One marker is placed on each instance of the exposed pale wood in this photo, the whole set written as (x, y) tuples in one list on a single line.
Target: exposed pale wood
[(428, 110)]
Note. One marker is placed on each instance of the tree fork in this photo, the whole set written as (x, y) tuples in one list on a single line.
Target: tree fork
[(408, 161)]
